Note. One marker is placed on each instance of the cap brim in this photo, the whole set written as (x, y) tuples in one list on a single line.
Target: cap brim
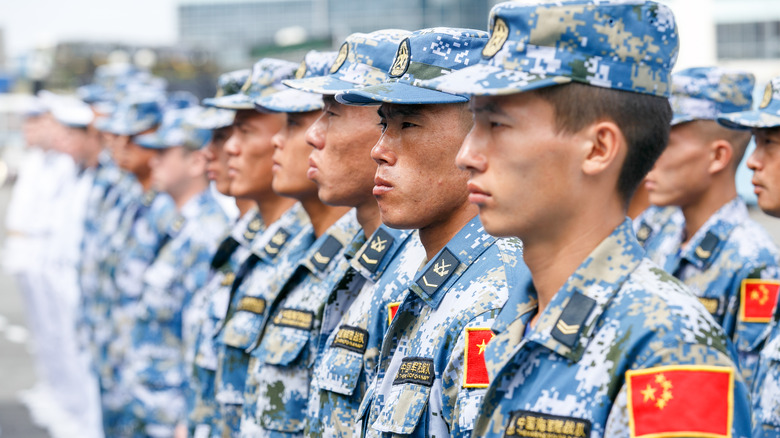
[(213, 118), (290, 101), (238, 101), (321, 85), (750, 119), (678, 119), (399, 93), (150, 141), (487, 80)]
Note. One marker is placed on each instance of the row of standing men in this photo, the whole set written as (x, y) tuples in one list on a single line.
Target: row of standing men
[(362, 290)]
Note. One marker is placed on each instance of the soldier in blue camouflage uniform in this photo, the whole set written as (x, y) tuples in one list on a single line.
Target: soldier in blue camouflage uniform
[(127, 215), (231, 253), (163, 336), (657, 221), (718, 251), (421, 386), (600, 341), (342, 168), (765, 125)]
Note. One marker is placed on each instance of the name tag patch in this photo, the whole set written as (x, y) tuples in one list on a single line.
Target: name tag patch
[(534, 424), (417, 370), (252, 304), (351, 338), (300, 319)]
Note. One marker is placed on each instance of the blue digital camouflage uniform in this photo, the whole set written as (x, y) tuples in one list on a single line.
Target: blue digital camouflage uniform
[(635, 317), (274, 258), (463, 287), (618, 313), (378, 278), (230, 255), (727, 250), (277, 384), (159, 371), (766, 403), (657, 221)]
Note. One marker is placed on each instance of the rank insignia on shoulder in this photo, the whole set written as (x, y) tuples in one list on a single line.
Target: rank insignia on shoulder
[(706, 246), (567, 328), (657, 396), (177, 224), (252, 304), (475, 373), (276, 243), (529, 424), (418, 370), (227, 280), (643, 233), (376, 250), (252, 228), (758, 299), (224, 251), (149, 198), (322, 258), (299, 319), (439, 272), (392, 309), (711, 304), (351, 338)]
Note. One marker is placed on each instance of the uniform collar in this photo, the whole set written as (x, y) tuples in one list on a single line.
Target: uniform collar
[(569, 321), (375, 255), (444, 270), (705, 245), (280, 236), (248, 226), (332, 243)]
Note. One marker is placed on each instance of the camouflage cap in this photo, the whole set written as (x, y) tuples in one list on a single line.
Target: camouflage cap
[(135, 114), (766, 116), (363, 60), (314, 64), (176, 130), (704, 93), (266, 78), (425, 54), (626, 45), (72, 112), (227, 84)]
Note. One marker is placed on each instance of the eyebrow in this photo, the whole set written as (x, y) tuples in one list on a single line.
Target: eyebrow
[(487, 108), (400, 111)]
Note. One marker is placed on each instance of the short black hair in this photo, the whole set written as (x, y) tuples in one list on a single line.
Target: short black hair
[(644, 120)]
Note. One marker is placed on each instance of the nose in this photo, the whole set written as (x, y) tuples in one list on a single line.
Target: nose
[(315, 135), (470, 156), (232, 146)]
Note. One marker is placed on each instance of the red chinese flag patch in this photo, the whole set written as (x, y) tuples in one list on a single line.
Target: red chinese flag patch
[(685, 400), (392, 309), (475, 373), (758, 299)]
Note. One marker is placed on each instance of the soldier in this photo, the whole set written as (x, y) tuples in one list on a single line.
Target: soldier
[(571, 111), (422, 387), (286, 339), (719, 252), (231, 253), (765, 125), (246, 153), (164, 333), (342, 167)]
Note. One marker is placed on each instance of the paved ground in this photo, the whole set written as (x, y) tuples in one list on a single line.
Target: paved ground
[(16, 368)]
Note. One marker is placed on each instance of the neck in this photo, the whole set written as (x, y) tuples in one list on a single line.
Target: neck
[(368, 216), (244, 205), (273, 207), (553, 256), (192, 190), (322, 216), (698, 212), (436, 235), (145, 181)]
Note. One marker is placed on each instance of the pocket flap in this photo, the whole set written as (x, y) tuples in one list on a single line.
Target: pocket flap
[(243, 329), (281, 345), (339, 370), (403, 408)]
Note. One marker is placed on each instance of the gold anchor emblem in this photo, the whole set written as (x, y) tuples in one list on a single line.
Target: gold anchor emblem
[(378, 245), (401, 62), (441, 268), (497, 38), (342, 56)]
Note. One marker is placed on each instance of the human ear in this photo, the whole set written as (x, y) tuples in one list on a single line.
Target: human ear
[(603, 144)]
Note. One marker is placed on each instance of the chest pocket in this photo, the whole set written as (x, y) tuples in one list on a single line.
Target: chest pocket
[(282, 345), (404, 409), (339, 370), (767, 408), (243, 329)]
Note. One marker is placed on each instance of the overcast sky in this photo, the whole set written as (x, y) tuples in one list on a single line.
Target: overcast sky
[(28, 23)]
